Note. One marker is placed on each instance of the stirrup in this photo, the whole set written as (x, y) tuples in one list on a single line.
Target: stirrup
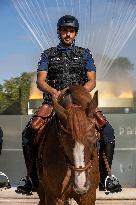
[(5, 185), (112, 185), (20, 188)]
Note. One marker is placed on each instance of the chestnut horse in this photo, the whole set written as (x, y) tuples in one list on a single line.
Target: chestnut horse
[(68, 163)]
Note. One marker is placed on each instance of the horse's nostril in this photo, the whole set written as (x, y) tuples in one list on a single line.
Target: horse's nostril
[(87, 184), (80, 191)]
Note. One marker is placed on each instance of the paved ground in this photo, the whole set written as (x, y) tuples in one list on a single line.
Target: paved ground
[(126, 197)]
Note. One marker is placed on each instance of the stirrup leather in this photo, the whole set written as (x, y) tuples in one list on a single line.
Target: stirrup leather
[(112, 184)]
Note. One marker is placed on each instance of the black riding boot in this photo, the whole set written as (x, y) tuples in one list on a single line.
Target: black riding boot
[(112, 183), (30, 162), (30, 183), (109, 152)]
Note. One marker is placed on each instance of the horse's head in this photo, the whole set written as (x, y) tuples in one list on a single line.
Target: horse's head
[(77, 133)]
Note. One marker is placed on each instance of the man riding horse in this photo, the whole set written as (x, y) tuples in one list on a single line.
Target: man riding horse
[(61, 66)]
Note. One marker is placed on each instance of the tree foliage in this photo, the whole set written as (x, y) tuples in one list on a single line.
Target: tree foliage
[(14, 94), (120, 69)]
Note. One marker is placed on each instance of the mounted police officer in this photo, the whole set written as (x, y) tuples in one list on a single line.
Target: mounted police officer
[(61, 66)]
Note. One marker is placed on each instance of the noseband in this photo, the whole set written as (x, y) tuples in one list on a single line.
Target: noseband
[(81, 169)]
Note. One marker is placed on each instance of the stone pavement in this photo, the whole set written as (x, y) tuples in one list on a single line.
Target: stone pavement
[(126, 197)]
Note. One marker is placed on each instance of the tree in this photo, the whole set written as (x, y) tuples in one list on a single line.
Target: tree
[(14, 94), (25, 81), (120, 69)]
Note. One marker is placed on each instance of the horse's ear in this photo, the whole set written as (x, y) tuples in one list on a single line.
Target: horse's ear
[(95, 99), (60, 111), (93, 104)]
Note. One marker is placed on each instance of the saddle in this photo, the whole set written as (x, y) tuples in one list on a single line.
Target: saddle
[(100, 119), (36, 125), (41, 117), (44, 113)]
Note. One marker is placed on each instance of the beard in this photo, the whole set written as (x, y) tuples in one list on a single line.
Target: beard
[(67, 41)]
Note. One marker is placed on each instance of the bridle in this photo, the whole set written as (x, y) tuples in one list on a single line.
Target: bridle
[(70, 166), (81, 169)]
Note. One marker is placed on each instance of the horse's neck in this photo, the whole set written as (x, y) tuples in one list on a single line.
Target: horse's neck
[(52, 148)]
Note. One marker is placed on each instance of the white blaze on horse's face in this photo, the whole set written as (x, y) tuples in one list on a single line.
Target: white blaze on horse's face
[(79, 160)]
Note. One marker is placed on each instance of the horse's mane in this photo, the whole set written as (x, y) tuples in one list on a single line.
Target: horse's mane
[(80, 96), (77, 122)]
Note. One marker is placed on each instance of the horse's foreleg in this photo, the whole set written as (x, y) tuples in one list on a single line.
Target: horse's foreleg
[(50, 199), (41, 194), (88, 198)]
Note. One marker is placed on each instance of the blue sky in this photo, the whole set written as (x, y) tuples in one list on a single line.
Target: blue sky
[(18, 53)]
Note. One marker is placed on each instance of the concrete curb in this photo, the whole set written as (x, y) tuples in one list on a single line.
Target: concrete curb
[(126, 194), (126, 197)]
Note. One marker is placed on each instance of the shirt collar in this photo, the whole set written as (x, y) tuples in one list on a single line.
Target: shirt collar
[(60, 47)]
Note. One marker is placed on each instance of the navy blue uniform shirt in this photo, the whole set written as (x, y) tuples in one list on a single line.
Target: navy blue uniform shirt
[(90, 66)]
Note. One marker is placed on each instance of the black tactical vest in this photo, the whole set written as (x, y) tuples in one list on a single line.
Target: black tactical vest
[(66, 67)]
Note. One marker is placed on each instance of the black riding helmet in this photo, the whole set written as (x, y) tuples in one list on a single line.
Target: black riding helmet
[(68, 20)]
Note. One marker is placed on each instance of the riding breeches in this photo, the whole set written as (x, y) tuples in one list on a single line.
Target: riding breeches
[(107, 142), (108, 133), (107, 145)]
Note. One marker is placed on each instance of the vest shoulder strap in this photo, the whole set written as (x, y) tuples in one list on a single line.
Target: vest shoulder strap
[(51, 51), (79, 50)]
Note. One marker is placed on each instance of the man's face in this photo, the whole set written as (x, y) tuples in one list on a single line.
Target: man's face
[(67, 35)]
